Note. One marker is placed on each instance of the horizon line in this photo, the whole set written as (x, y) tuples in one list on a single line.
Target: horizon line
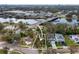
[(40, 4)]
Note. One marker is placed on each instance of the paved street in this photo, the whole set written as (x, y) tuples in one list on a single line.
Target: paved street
[(22, 50)]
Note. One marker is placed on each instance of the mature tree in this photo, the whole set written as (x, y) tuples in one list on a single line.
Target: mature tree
[(22, 25), (61, 28), (1, 26), (10, 36), (51, 28)]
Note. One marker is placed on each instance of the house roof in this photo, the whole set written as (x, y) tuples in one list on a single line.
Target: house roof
[(59, 37), (74, 37)]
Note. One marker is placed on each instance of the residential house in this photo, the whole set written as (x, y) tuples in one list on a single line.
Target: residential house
[(59, 37), (75, 38), (73, 21), (54, 38)]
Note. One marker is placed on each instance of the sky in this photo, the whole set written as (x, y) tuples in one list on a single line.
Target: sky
[(49, 2)]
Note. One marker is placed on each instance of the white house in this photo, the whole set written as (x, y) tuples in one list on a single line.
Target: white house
[(75, 38), (59, 37), (56, 38)]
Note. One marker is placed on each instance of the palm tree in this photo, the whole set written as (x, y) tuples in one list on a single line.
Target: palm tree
[(37, 32), (40, 38)]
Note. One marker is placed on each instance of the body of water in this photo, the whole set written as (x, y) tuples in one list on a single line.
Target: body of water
[(28, 21)]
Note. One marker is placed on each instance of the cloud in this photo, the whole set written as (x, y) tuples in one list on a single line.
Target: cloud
[(39, 2)]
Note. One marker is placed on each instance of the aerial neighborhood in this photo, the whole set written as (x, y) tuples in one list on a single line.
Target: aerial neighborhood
[(48, 29)]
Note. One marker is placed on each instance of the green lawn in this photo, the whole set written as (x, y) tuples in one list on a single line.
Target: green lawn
[(2, 51), (14, 52), (68, 41), (58, 45)]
